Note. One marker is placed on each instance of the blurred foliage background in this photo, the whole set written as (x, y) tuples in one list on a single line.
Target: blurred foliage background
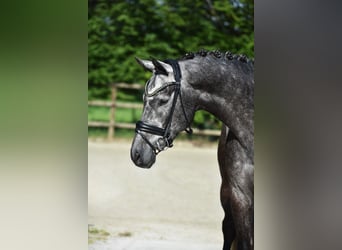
[(120, 30)]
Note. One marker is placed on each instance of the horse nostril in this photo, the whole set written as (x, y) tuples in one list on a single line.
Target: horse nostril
[(136, 156)]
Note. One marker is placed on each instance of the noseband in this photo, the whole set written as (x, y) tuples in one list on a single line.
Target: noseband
[(165, 141)]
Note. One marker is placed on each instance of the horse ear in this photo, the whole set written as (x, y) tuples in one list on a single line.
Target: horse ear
[(148, 65), (161, 67)]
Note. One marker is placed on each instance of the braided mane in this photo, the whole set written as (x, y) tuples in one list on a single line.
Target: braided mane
[(218, 54)]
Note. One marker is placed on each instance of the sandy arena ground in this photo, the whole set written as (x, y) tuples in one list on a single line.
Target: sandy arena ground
[(175, 205)]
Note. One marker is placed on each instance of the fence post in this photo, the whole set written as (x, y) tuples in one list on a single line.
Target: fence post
[(111, 128)]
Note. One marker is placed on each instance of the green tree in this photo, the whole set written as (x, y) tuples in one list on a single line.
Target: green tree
[(120, 30)]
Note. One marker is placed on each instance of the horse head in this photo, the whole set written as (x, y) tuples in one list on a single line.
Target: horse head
[(164, 114)]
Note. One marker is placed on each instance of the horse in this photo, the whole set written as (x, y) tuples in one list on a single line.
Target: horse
[(221, 83)]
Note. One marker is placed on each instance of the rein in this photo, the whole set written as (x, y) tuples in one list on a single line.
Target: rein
[(165, 133)]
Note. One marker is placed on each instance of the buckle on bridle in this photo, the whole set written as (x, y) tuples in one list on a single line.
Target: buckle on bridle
[(167, 143)]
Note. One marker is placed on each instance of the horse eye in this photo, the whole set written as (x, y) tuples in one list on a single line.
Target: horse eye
[(163, 101)]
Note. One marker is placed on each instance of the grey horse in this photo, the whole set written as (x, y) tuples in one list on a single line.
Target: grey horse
[(222, 84)]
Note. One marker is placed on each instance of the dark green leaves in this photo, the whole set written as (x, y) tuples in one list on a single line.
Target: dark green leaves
[(120, 30)]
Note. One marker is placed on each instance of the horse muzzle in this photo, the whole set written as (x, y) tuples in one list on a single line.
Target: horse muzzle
[(142, 155)]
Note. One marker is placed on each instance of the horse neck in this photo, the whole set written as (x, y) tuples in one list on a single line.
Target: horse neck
[(225, 89)]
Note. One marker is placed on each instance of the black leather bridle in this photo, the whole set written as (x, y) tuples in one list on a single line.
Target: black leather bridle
[(165, 132)]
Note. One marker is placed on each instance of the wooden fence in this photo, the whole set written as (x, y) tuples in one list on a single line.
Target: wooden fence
[(113, 104)]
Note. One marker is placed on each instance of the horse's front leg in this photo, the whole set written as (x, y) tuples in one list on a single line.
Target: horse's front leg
[(238, 223), (237, 193), (243, 214), (225, 195), (228, 223), (242, 204)]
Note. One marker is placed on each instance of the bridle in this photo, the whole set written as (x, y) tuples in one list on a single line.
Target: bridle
[(165, 133)]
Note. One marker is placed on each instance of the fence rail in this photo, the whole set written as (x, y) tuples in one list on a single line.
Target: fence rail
[(113, 104)]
